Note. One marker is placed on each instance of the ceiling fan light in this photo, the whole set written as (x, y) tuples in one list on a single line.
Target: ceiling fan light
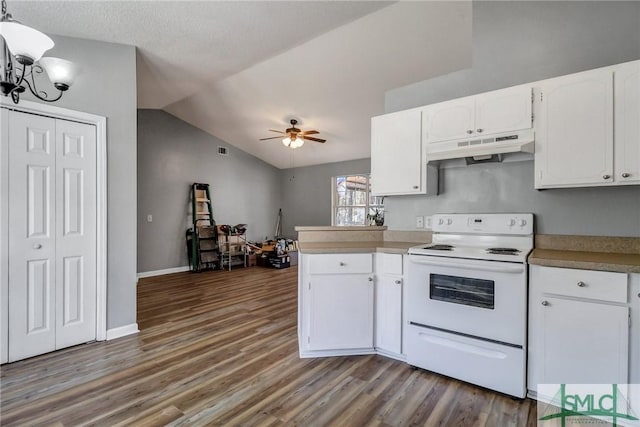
[(25, 43), (287, 142), (61, 72)]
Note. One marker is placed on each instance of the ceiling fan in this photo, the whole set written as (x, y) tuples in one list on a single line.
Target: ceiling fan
[(294, 137)]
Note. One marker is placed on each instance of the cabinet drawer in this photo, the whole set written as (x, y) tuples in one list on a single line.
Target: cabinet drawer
[(389, 264), (340, 263), (600, 285)]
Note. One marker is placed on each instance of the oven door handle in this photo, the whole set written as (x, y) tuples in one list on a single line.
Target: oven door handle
[(499, 267)]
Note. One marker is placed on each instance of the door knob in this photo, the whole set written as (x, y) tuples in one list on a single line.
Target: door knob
[(469, 131), (626, 175), (479, 130), (342, 264), (606, 176), (581, 284), (371, 279), (545, 303), (398, 282), (37, 246), (415, 187)]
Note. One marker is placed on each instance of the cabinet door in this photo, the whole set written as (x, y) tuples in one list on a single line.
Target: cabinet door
[(574, 131), (582, 342), (627, 123), (503, 111), (389, 313), (397, 162), (340, 312), (450, 120)]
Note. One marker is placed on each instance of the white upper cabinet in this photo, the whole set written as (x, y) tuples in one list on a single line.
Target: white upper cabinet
[(574, 130), (588, 128), (494, 112), (398, 162), (450, 120), (627, 123)]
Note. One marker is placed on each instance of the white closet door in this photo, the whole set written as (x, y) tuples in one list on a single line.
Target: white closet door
[(31, 235), (75, 233)]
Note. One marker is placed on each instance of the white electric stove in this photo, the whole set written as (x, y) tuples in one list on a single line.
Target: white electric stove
[(466, 304)]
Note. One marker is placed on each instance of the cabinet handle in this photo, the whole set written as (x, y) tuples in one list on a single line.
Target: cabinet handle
[(581, 284), (415, 187), (371, 279), (606, 176), (479, 130), (342, 264), (626, 175), (469, 131), (398, 282), (545, 303), (37, 246)]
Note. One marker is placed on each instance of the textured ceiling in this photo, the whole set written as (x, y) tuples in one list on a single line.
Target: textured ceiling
[(236, 69)]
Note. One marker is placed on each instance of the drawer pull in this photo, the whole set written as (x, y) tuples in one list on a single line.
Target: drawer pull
[(342, 264), (371, 279), (545, 303), (398, 282), (581, 284)]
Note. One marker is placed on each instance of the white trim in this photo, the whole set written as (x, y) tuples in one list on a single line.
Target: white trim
[(4, 238), (391, 355), (162, 272), (100, 123), (328, 353), (122, 331)]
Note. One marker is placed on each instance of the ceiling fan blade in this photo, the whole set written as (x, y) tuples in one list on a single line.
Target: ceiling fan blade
[(272, 130), (275, 137), (314, 139), (310, 132)]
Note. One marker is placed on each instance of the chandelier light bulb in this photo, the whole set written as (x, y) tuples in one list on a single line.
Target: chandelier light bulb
[(286, 142), (26, 44), (61, 72)]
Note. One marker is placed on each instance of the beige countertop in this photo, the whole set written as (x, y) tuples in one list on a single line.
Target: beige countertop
[(339, 228), (354, 247), (603, 261)]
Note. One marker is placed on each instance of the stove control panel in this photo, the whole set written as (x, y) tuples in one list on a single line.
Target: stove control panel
[(511, 224)]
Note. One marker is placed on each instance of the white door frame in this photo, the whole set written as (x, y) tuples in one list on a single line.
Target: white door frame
[(100, 123)]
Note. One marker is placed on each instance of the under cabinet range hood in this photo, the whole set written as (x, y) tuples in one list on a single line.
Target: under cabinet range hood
[(481, 148)]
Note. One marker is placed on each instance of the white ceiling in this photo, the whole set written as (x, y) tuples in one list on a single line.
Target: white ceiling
[(236, 69)]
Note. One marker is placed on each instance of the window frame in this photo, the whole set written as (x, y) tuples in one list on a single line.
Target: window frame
[(367, 207)]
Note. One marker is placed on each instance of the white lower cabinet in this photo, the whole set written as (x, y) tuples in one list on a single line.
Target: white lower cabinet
[(336, 297), (578, 327), (389, 284)]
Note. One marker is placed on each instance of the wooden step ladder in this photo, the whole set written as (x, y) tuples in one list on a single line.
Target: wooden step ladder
[(202, 239)]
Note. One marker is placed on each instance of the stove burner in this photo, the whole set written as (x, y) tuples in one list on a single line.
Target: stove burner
[(503, 251), (439, 247)]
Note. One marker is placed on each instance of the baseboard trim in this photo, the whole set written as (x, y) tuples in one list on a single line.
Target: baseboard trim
[(162, 272), (122, 331)]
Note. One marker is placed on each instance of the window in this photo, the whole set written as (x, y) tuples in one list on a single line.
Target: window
[(352, 200)]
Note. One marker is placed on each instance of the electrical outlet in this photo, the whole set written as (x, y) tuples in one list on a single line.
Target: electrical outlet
[(419, 221), (428, 222), (149, 218)]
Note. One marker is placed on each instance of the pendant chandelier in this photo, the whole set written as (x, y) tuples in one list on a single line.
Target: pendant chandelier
[(21, 50)]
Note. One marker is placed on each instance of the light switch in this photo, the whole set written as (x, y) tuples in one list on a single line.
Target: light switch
[(419, 221), (149, 218), (428, 222)]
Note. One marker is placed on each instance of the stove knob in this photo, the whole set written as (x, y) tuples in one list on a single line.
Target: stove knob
[(440, 221), (523, 222), (512, 222), (449, 221)]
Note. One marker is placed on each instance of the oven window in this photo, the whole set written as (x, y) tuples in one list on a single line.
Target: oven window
[(462, 290)]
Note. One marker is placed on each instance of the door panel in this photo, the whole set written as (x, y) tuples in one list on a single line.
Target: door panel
[(31, 240), (450, 120), (574, 134), (389, 313), (503, 111), (75, 233), (627, 111)]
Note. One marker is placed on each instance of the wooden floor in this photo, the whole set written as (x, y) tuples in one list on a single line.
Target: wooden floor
[(220, 348)]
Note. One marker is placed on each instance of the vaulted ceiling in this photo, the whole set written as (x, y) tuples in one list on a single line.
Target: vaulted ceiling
[(236, 69)]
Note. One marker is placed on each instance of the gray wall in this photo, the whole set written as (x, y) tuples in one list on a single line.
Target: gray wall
[(172, 155), (306, 192), (519, 42), (107, 87)]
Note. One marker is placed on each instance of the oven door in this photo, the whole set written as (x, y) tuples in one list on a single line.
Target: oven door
[(473, 298)]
